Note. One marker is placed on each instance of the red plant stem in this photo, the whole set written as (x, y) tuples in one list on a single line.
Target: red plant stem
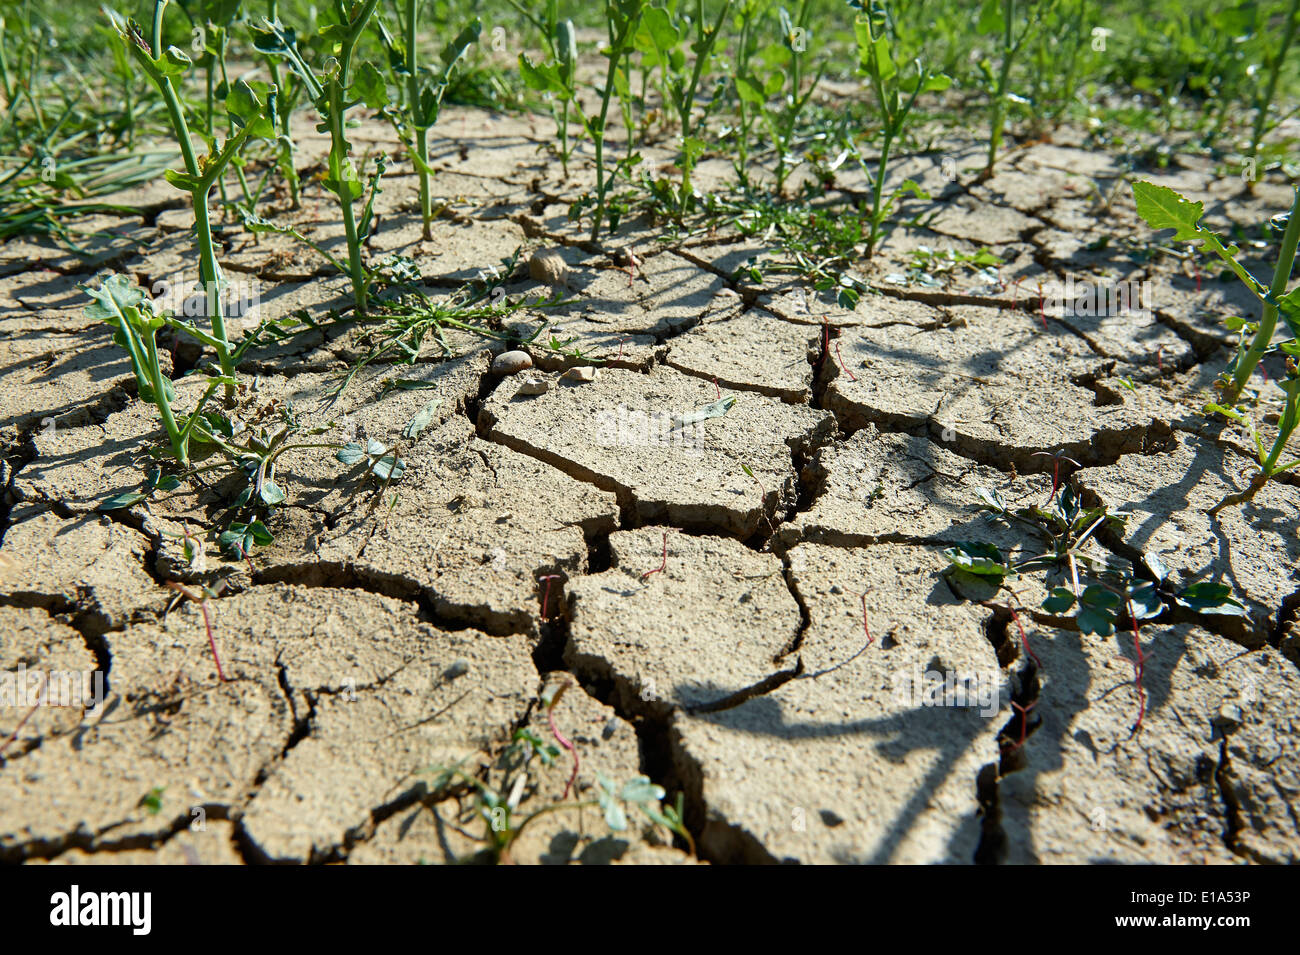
[(1138, 667), (664, 564), (1024, 640), (717, 387), (559, 738), (244, 555), (1160, 365), (1024, 722), (852, 377), (547, 592), (1197, 266), (26, 716), (1042, 306), (865, 628), (207, 623)]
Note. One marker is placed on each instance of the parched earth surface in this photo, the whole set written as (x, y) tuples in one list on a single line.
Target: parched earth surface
[(703, 586)]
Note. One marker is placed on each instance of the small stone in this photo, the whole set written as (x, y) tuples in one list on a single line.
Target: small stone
[(510, 362), (547, 265), (1229, 717), (457, 669), (580, 373), (534, 386)]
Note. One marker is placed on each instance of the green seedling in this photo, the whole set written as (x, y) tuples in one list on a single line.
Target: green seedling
[(1163, 208), (500, 809), (290, 88), (622, 19), (1001, 17), (125, 308), (751, 95), (1274, 62), (403, 320), (1060, 48), (1104, 591), (681, 85), (251, 111), (789, 57), (556, 77), (151, 802), (246, 455), (895, 98), (1101, 586), (334, 89), (424, 90)]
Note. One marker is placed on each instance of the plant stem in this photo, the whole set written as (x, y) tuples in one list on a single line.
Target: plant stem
[(421, 134), (1247, 362), (209, 271), (160, 399), (1270, 89), (999, 93)]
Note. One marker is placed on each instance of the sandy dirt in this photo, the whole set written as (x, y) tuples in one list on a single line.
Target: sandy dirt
[(699, 584)]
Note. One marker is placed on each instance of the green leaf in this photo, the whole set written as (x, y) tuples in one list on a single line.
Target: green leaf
[(992, 500), (748, 92), (714, 409), (119, 501), (369, 87), (990, 18), (543, 79), (174, 62), (1059, 601), (388, 468), (248, 110), (1207, 597), (261, 536), (272, 494), (1288, 307), (151, 801), (350, 453), (641, 789), (977, 557), (466, 38), (181, 180), (1145, 600), (1154, 564), (423, 418), (1163, 208), (611, 806), (1097, 607)]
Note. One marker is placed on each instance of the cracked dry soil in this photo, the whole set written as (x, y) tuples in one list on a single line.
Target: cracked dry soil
[(709, 617)]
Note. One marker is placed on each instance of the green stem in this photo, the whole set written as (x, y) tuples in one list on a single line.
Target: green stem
[(160, 399), (1261, 111), (616, 44), (1285, 428), (1004, 73), (209, 270), (1268, 321), (421, 134)]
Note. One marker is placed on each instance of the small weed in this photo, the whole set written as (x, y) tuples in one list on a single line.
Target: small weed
[(1163, 208)]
